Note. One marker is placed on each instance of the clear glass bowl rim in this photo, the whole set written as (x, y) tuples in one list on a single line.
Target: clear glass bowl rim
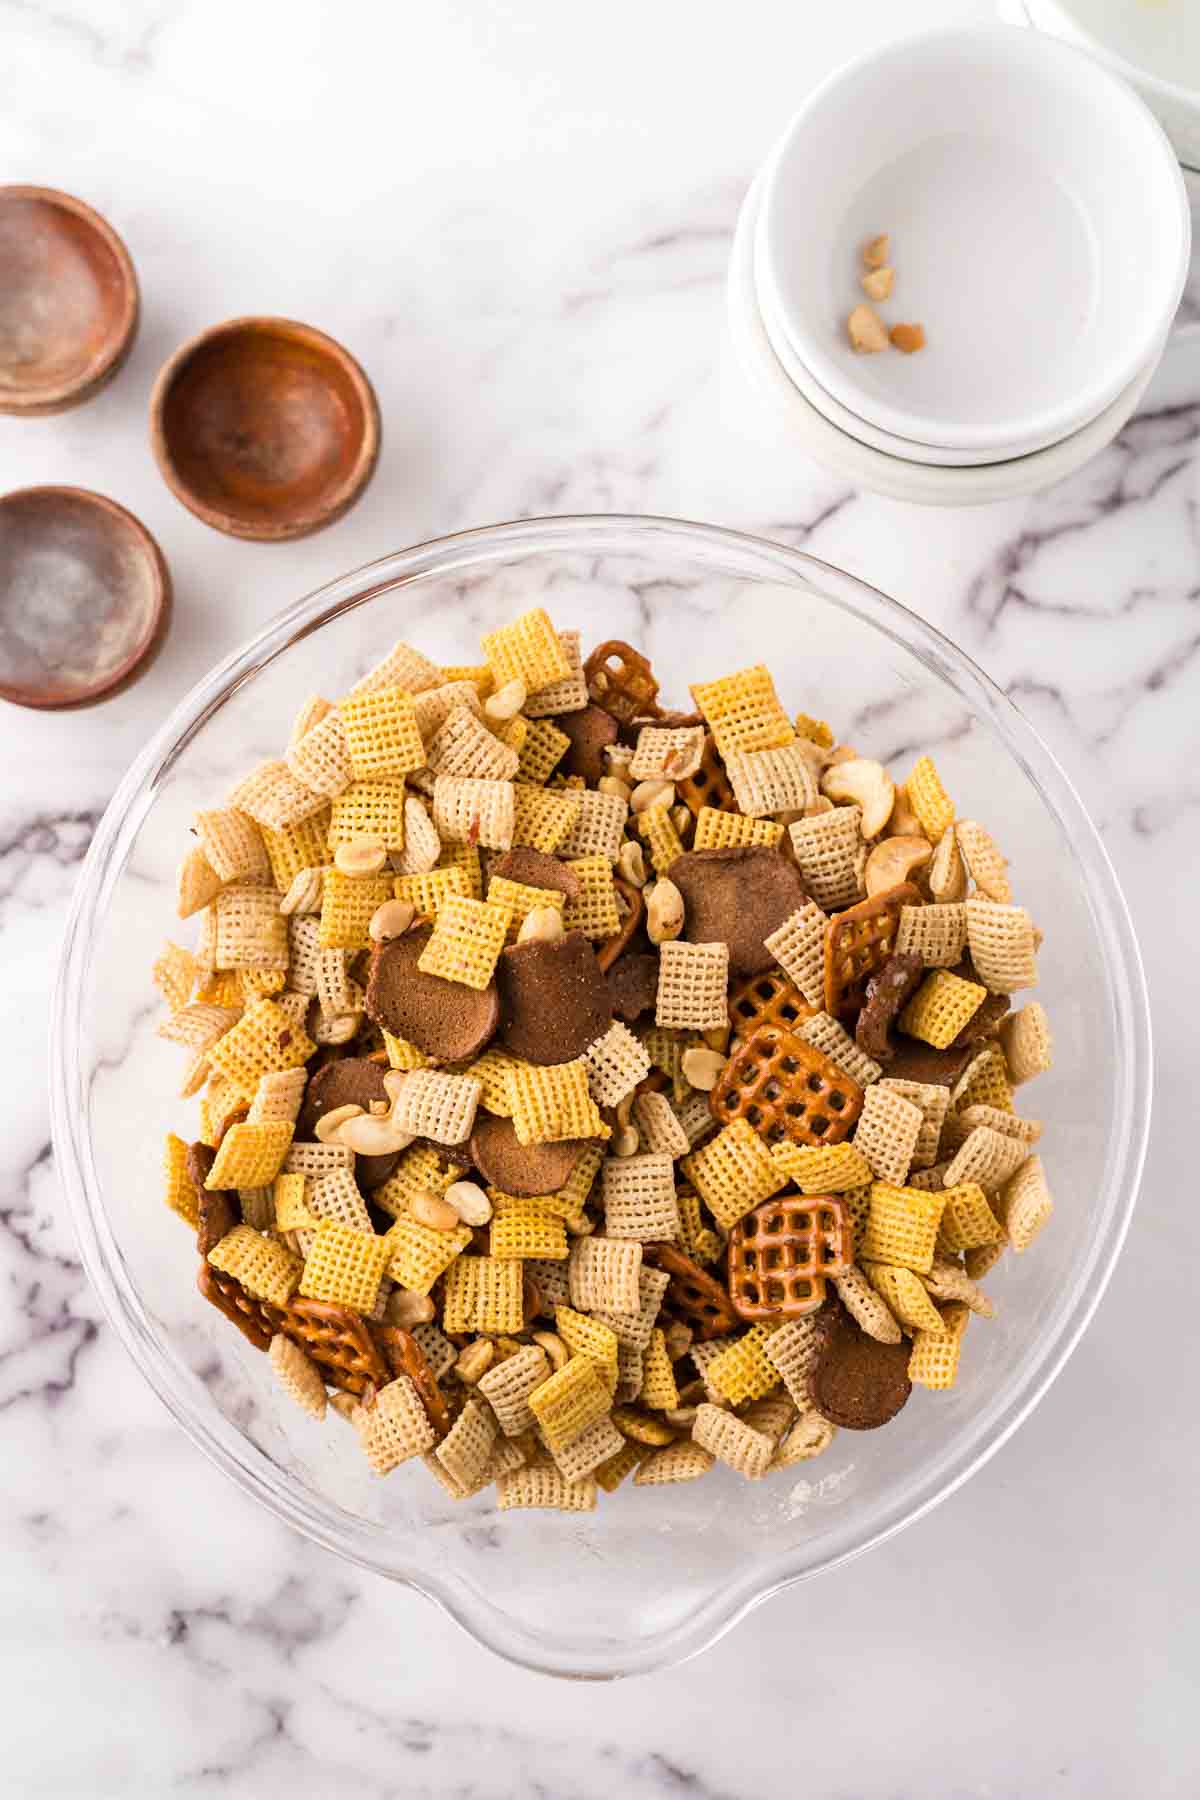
[(360, 1541)]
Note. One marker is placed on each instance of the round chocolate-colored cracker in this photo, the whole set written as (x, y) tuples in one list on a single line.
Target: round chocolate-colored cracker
[(887, 992), (219, 1208), (536, 869), (554, 1000), (915, 1061), (517, 1168), (855, 1381), (737, 897), (589, 730), (351, 1081), (633, 985), (445, 1019), (987, 1014)]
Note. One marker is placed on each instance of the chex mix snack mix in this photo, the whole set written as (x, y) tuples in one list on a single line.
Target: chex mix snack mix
[(589, 1090)]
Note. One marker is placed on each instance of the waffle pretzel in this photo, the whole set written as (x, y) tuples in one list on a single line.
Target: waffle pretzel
[(765, 1000), (781, 1252), (857, 944), (786, 1090)]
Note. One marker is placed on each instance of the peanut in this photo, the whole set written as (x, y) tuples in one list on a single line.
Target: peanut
[(430, 1209), (619, 757), (469, 1202), (304, 895), (664, 911), (877, 285), (361, 856), (679, 1339), (391, 920), (875, 253), (702, 1068), (543, 925), (475, 1361), (625, 1141), (632, 863), (408, 1309), (612, 784), (908, 338)]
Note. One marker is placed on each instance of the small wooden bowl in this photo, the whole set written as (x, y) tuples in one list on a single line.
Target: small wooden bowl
[(265, 428), (85, 597), (68, 301)]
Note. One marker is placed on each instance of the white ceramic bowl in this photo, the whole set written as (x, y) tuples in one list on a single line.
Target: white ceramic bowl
[(801, 426), (1156, 48), (934, 455), (1039, 228)]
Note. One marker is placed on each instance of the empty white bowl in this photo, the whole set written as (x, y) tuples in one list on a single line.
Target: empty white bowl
[(1039, 230)]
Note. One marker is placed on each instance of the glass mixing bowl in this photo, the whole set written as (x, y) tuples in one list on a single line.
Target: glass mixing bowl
[(655, 1574)]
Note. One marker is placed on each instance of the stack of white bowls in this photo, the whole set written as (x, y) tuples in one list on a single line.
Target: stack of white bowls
[(1039, 232)]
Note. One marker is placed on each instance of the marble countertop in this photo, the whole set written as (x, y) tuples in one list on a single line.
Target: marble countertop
[(518, 216)]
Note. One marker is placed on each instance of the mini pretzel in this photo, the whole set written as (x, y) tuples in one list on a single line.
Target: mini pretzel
[(620, 680), (709, 789), (857, 944), (786, 1089), (406, 1357), (608, 951), (691, 1295), (781, 1252)]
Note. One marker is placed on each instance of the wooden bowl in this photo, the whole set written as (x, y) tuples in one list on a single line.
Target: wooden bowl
[(68, 301), (265, 428), (85, 597)]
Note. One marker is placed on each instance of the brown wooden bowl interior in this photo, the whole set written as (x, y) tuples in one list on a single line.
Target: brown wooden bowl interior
[(85, 597), (265, 428), (68, 301)]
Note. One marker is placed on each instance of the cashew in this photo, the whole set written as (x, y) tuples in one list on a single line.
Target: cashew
[(305, 893), (475, 1361), (664, 912), (612, 784), (947, 871), (904, 821), (702, 1068), (632, 863), (542, 925), (330, 1123), (391, 920), (892, 861), (469, 1202), (652, 793), (555, 1349), (428, 1208), (507, 701), (408, 1309), (866, 782), (394, 1083), (361, 856), (372, 1137), (866, 330)]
